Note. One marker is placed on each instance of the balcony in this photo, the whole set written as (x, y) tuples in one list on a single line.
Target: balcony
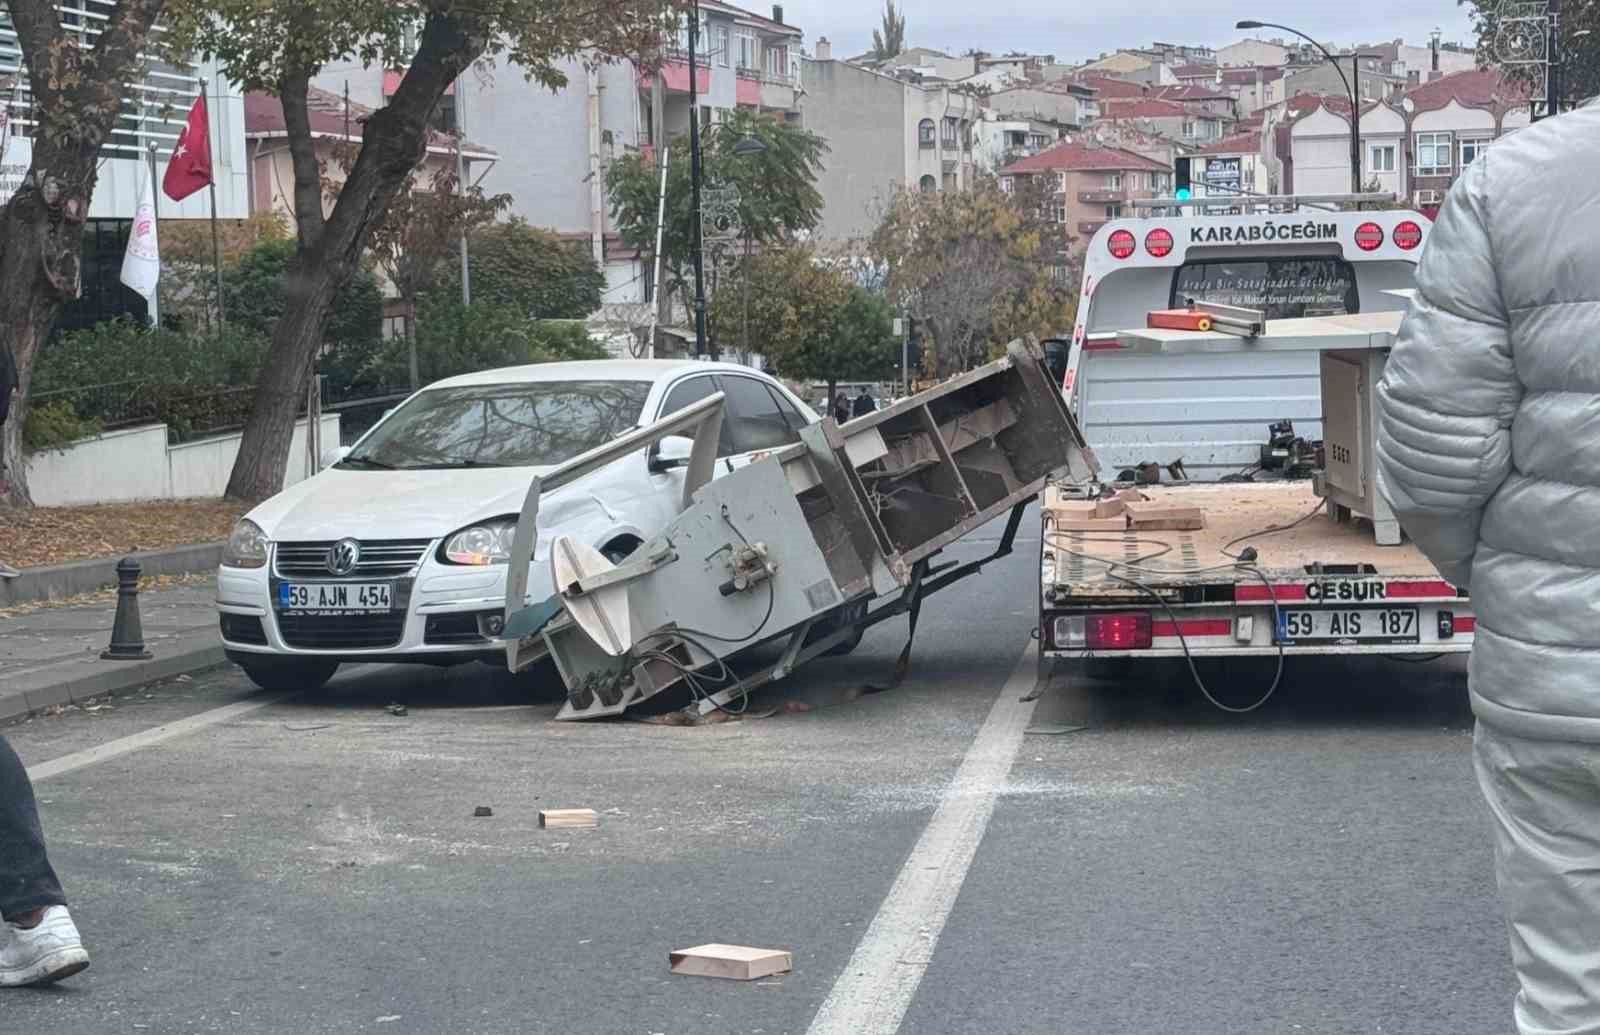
[(1089, 228), (1101, 197)]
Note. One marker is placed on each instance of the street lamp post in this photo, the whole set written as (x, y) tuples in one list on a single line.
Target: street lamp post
[(694, 185), (1355, 101)]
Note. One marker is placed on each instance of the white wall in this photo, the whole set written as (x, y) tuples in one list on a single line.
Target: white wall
[(1251, 53), (137, 464), (1455, 118)]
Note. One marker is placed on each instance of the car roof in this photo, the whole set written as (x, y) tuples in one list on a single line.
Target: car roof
[(591, 370)]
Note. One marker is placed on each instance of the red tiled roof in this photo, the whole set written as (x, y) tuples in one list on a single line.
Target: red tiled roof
[(1238, 144), (1247, 76), (1110, 86), (263, 116), (1478, 88), (1195, 71), (1070, 155), (1142, 108), (1193, 92)]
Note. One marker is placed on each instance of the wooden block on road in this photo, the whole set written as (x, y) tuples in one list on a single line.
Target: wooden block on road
[(1110, 508), (738, 962), (553, 818), (1157, 516)]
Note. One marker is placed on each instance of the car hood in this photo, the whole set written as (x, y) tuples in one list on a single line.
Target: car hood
[(394, 504)]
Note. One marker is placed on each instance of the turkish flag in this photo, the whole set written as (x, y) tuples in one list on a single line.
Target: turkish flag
[(189, 169)]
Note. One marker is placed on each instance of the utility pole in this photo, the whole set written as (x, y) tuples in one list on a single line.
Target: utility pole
[(1553, 57), (1355, 125), (694, 183)]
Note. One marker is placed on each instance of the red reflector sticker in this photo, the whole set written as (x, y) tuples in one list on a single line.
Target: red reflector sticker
[(1194, 627), (1407, 235), (1101, 345), (1293, 591), (1122, 244), (1369, 237), (1118, 632), (1413, 590), (1465, 624), (1158, 243)]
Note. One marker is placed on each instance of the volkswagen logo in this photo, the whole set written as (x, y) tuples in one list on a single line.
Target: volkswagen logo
[(343, 555)]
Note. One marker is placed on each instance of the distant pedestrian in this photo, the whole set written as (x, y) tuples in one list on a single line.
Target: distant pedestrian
[(39, 943), (841, 408), (863, 405), (1489, 450)]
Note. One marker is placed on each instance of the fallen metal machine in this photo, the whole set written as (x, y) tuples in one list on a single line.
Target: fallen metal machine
[(805, 547)]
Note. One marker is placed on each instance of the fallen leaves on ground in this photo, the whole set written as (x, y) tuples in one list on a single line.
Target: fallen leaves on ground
[(107, 595), (56, 535)]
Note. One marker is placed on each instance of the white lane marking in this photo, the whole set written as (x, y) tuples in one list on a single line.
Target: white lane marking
[(873, 993), (149, 738)]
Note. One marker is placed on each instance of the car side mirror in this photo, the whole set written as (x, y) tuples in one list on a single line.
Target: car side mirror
[(333, 456), (672, 451)]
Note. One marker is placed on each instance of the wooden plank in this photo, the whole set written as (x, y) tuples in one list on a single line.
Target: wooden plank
[(556, 818), (737, 962), (1111, 508), (1165, 516)]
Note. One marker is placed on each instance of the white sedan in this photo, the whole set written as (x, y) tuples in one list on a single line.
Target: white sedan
[(398, 552)]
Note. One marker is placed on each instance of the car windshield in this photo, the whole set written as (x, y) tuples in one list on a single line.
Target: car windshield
[(532, 424)]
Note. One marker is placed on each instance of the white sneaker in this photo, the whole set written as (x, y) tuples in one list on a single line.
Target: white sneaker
[(43, 954)]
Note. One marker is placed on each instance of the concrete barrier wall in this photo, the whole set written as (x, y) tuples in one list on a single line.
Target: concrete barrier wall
[(137, 464)]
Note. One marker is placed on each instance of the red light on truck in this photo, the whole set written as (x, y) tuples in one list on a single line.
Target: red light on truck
[(1158, 243), (1369, 237), (1122, 244), (1407, 235), (1118, 631)]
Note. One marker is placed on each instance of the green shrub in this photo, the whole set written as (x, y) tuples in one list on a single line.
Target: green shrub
[(54, 426), (456, 339), (521, 267)]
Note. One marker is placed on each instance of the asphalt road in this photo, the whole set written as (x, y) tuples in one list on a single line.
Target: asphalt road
[(313, 865)]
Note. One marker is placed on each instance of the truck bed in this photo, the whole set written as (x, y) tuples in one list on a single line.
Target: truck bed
[(1238, 513)]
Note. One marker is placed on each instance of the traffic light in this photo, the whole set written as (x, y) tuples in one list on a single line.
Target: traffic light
[(1183, 185)]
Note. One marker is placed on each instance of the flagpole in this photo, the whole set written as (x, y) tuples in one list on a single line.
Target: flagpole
[(155, 209), (211, 188)]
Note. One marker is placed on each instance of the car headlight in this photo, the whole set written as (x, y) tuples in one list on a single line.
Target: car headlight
[(247, 546), (487, 542)]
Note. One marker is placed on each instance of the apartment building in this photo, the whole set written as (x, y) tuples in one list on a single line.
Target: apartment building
[(1234, 166), (1063, 102), (552, 148), (1167, 118), (1252, 53), (883, 133), (1414, 146), (998, 140), (1089, 185)]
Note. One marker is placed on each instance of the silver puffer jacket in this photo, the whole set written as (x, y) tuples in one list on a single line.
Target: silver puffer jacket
[(1489, 439)]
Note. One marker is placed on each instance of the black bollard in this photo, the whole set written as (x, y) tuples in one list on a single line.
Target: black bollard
[(127, 632)]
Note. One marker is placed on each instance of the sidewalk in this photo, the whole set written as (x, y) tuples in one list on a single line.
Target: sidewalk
[(51, 656)]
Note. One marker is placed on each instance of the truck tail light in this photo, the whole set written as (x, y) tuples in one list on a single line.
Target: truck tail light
[(1120, 631), (1121, 244), (1158, 243), (1407, 235), (1369, 237)]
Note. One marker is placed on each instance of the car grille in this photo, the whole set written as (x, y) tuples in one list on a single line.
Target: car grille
[(453, 629), (380, 559), (342, 632)]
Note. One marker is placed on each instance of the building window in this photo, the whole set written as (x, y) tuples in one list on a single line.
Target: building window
[(928, 184), (1006, 185), (747, 50), (925, 133), (1433, 154), (1113, 211), (1061, 183), (777, 62), (1188, 129), (1380, 159), (1058, 212), (950, 181), (1473, 148), (952, 132), (1113, 181), (966, 135), (722, 45)]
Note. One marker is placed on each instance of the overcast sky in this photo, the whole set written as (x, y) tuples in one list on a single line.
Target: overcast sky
[(1077, 31)]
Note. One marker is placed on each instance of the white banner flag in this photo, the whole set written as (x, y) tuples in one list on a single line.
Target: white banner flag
[(141, 263)]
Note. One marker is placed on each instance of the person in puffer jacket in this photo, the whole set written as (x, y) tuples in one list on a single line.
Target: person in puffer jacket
[(1489, 451)]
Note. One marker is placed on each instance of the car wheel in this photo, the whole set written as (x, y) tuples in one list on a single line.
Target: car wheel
[(276, 673)]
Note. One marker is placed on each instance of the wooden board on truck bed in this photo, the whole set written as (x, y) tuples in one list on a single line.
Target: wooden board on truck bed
[(1232, 511)]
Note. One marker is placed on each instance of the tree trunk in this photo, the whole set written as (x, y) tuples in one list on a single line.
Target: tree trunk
[(393, 140)]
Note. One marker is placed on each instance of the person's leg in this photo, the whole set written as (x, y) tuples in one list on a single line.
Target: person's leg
[(27, 883), (1545, 799)]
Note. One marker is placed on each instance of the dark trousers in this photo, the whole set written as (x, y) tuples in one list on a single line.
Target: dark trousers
[(26, 880)]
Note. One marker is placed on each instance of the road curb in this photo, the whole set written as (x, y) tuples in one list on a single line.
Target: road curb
[(116, 676), (56, 581)]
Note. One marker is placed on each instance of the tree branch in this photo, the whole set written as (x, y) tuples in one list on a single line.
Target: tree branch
[(309, 221), (37, 26)]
